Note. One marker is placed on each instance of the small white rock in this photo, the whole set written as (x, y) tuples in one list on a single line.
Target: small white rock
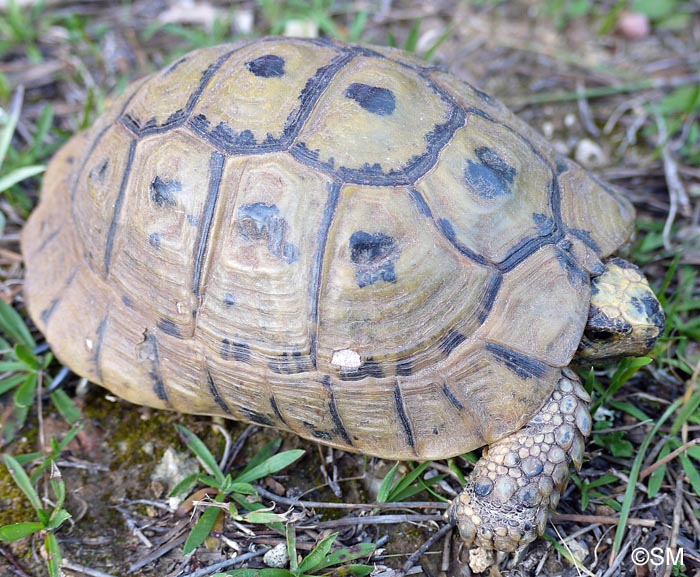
[(174, 467), (578, 549), (277, 556), (301, 29), (346, 359), (589, 154)]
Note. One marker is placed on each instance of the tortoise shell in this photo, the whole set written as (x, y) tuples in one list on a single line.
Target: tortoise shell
[(331, 239)]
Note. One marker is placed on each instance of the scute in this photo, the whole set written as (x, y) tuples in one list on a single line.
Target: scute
[(329, 239), (490, 192)]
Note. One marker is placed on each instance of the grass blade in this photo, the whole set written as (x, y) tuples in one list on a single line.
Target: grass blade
[(273, 465), (20, 476), (19, 530), (196, 445), (201, 530), (11, 323), (316, 557)]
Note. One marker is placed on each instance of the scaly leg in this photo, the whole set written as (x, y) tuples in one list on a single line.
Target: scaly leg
[(506, 501)]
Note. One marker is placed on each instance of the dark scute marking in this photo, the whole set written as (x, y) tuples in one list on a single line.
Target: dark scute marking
[(519, 363), (163, 192), (585, 236), (369, 368), (317, 433), (98, 173), (154, 240), (192, 220), (175, 65), (48, 239), (449, 232), (150, 350), (317, 264), (258, 418), (45, 315), (562, 165), (261, 221), (404, 367), (216, 395), (492, 176), (267, 66), (216, 168), (454, 401), (576, 275), (406, 175), (114, 225), (229, 300), (526, 248), (373, 256), (403, 417), (419, 201), (276, 409), (291, 363), (625, 264), (169, 327), (494, 285), (333, 409), (545, 224), (488, 99), (237, 351), (374, 99), (128, 301), (451, 341)]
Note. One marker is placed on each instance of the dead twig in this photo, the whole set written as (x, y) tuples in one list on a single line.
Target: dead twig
[(373, 520), (323, 505), (678, 197), (600, 519), (434, 538), (672, 455)]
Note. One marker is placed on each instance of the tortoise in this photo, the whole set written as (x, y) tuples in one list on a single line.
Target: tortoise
[(347, 243)]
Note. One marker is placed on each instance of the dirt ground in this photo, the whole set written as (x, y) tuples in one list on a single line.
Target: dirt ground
[(594, 78)]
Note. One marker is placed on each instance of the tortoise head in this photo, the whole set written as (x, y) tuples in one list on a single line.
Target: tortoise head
[(625, 318)]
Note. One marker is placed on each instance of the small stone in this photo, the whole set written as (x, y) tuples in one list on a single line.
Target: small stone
[(589, 154), (301, 29), (633, 25), (578, 549), (277, 557)]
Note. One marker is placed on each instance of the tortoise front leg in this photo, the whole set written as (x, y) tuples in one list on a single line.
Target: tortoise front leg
[(506, 501)]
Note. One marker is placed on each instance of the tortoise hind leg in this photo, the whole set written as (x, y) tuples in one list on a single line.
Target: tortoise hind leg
[(506, 501)]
